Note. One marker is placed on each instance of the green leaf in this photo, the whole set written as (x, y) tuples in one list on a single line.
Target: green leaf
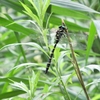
[(12, 4), (14, 26), (35, 5), (45, 6), (29, 44), (45, 90), (30, 13), (20, 86), (56, 53), (96, 97), (97, 25), (71, 25), (11, 94), (91, 37), (72, 5), (68, 12)]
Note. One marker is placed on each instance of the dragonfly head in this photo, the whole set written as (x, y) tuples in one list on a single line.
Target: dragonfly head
[(62, 27)]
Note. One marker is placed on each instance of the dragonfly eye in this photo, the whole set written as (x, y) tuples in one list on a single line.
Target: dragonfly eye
[(62, 27)]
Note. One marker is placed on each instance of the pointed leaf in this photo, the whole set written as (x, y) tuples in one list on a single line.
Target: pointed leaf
[(30, 13), (72, 5), (91, 37), (14, 26)]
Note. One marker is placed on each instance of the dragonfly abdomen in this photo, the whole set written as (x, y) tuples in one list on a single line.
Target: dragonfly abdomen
[(51, 56)]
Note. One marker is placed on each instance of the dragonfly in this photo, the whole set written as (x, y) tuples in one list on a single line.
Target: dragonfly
[(61, 31)]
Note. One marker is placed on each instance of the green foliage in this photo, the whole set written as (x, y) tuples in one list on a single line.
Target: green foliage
[(27, 34)]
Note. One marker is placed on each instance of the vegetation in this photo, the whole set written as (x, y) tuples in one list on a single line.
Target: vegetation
[(27, 35)]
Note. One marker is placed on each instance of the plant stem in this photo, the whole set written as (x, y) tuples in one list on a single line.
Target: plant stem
[(20, 46), (65, 92), (75, 64)]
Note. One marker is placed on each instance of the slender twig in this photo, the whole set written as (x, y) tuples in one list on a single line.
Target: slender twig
[(77, 70)]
